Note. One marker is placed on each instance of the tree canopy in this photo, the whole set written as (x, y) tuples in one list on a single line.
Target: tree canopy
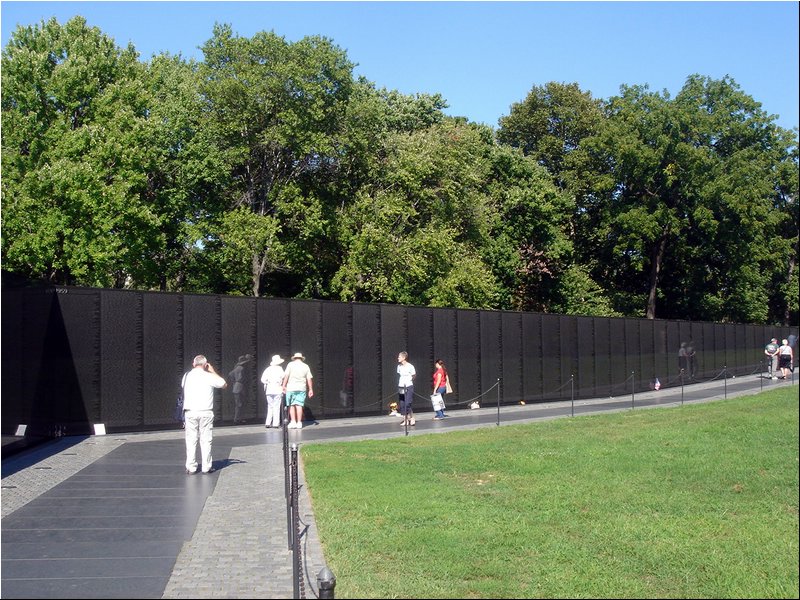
[(268, 168)]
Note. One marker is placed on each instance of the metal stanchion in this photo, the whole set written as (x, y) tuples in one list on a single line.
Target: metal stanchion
[(633, 388), (498, 401), (296, 547), (326, 583), (725, 380), (572, 393), (682, 387), (287, 476), (405, 411)]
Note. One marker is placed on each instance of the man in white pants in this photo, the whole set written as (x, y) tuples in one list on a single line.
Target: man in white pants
[(198, 411), (272, 378)]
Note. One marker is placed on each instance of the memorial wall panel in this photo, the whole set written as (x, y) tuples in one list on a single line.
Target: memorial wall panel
[(73, 357)]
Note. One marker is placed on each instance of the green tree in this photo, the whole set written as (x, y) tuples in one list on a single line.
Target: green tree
[(784, 303), (71, 124), (529, 246), (749, 199), (106, 169), (549, 126), (688, 214), (414, 234), (277, 110), (186, 171)]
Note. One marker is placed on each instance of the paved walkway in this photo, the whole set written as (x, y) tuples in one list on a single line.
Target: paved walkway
[(115, 516)]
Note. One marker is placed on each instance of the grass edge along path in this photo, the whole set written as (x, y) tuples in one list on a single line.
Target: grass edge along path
[(699, 501)]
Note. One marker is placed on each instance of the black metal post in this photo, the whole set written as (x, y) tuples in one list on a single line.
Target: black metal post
[(572, 393), (633, 387), (725, 377), (296, 546), (405, 410), (326, 583), (681, 387), (287, 476), (498, 402)]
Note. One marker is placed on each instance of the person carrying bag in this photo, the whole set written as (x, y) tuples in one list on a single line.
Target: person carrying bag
[(439, 389)]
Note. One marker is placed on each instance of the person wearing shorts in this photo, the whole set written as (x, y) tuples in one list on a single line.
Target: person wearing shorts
[(297, 386), (785, 359)]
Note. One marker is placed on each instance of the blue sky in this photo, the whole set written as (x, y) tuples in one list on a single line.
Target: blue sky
[(484, 56)]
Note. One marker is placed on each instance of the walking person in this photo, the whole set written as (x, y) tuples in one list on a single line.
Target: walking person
[(272, 378), (198, 410), (785, 358), (406, 373), (440, 386), (298, 384), (771, 350)]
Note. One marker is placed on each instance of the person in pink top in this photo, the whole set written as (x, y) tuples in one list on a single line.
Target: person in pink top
[(440, 385)]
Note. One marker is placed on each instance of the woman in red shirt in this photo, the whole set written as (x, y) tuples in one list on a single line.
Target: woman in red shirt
[(440, 385)]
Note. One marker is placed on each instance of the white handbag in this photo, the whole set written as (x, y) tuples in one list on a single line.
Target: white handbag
[(437, 401)]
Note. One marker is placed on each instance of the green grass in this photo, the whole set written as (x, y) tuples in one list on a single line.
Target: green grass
[(699, 501)]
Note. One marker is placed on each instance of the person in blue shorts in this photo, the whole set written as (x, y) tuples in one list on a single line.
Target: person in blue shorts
[(298, 384)]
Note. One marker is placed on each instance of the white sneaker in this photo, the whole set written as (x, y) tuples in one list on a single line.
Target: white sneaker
[(298, 426)]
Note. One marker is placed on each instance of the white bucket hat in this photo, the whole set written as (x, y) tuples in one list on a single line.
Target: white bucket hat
[(276, 360)]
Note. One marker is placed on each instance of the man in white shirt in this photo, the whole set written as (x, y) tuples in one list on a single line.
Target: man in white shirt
[(198, 410), (406, 373)]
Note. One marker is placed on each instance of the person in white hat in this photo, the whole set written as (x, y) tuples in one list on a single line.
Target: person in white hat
[(297, 385), (272, 378)]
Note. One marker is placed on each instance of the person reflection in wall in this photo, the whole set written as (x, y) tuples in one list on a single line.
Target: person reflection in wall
[(406, 373), (346, 393), (691, 359), (237, 378), (198, 407), (683, 360)]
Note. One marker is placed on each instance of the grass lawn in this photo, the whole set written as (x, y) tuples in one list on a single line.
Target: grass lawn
[(698, 501)]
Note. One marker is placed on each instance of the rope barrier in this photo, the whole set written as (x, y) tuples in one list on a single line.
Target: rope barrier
[(615, 389), (718, 375), (308, 579), (460, 402)]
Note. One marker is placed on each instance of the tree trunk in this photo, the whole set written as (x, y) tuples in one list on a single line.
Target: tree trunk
[(257, 269), (655, 270), (787, 311)]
